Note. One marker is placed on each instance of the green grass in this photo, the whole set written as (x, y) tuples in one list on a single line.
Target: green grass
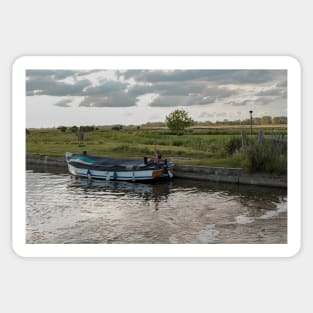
[(196, 147)]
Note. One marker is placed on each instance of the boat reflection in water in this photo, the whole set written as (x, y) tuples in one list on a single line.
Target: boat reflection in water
[(256, 200), (147, 192)]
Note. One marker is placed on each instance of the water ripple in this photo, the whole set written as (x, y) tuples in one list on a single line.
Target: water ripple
[(63, 210)]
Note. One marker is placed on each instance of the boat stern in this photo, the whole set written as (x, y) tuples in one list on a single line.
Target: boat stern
[(158, 173)]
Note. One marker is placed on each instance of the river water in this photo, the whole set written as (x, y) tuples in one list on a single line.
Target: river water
[(61, 209)]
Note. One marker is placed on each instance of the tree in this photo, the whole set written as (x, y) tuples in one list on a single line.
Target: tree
[(62, 129), (74, 129), (257, 121), (178, 120), (279, 120), (266, 120)]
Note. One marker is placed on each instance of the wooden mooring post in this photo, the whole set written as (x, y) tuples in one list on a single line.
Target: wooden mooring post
[(244, 140), (260, 137), (80, 137)]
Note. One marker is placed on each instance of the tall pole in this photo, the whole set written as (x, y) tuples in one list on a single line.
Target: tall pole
[(250, 121)]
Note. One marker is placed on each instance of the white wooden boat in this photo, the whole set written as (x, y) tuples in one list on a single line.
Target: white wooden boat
[(93, 167)]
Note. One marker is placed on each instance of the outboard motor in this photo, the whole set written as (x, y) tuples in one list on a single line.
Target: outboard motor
[(145, 160), (166, 171), (165, 167)]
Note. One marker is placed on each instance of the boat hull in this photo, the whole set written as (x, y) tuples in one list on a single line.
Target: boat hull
[(139, 175), (110, 169)]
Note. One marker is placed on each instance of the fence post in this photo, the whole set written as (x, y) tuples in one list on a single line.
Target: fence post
[(260, 137), (244, 140), (80, 136)]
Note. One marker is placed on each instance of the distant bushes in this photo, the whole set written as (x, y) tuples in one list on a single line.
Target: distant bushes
[(86, 129), (117, 127), (62, 129), (75, 129)]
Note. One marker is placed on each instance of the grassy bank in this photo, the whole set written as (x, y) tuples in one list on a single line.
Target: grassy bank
[(198, 146)]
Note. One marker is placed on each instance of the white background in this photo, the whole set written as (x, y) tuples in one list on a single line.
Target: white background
[(148, 28)]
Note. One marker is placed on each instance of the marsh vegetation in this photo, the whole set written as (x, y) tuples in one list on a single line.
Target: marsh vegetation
[(210, 146)]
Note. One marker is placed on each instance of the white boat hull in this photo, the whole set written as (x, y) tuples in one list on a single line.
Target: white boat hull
[(117, 175)]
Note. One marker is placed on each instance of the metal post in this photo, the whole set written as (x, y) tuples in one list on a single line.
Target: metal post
[(250, 121)]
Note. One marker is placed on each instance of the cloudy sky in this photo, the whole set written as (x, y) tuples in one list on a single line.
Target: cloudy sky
[(106, 97)]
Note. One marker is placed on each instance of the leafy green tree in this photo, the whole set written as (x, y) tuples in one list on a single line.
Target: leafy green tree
[(178, 120)]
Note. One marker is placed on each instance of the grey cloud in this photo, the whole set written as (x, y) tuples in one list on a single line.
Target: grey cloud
[(63, 103), (117, 99), (179, 87), (264, 100), (168, 101), (207, 115), (105, 88), (86, 72), (217, 76), (51, 87), (139, 90), (271, 92), (221, 114), (120, 99), (44, 82), (282, 84), (172, 101), (163, 76), (255, 101), (183, 89), (254, 76), (57, 74), (130, 73), (169, 88), (220, 92), (240, 103), (92, 102)]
